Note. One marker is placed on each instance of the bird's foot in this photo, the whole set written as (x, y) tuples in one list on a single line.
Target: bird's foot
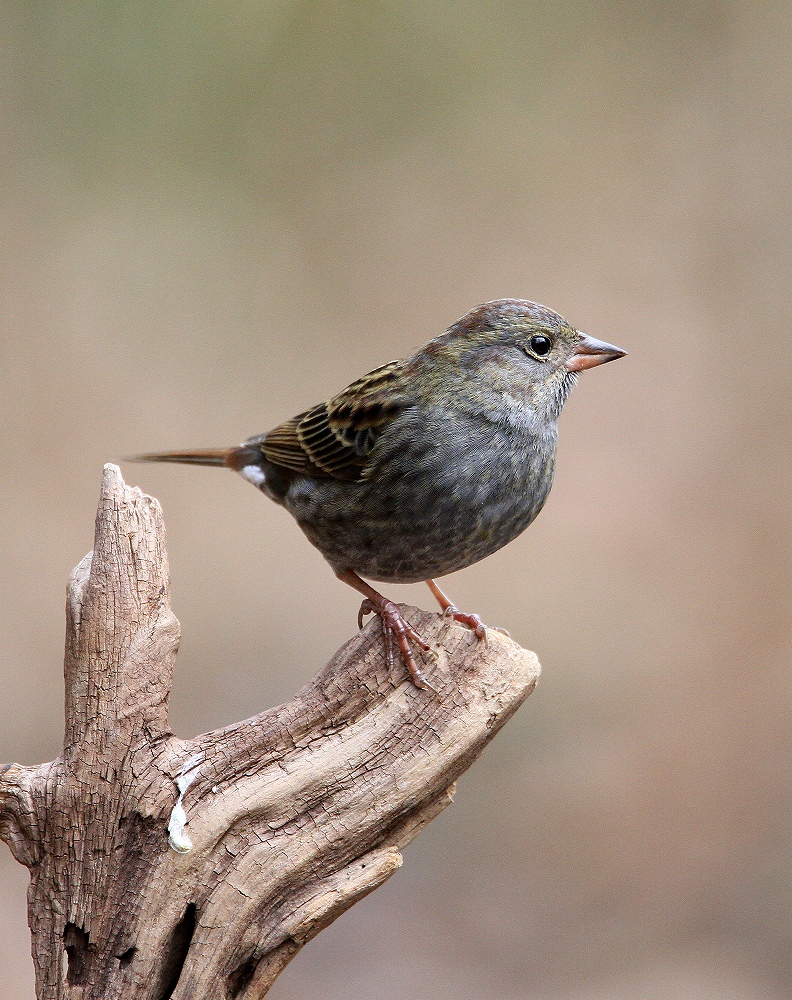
[(396, 628), (452, 611), (472, 621)]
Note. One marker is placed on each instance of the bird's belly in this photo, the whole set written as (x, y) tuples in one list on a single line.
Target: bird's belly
[(421, 525)]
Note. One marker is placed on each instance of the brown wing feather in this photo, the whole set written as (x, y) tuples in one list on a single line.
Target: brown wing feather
[(335, 439), (282, 446)]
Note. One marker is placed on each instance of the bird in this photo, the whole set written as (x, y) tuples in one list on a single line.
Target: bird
[(428, 464)]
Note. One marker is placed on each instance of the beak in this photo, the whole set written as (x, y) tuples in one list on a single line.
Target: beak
[(590, 352)]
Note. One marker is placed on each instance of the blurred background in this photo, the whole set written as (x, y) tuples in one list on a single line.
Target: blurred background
[(216, 215)]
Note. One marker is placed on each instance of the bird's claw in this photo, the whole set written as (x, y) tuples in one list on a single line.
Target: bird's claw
[(396, 627), (472, 621), (366, 608)]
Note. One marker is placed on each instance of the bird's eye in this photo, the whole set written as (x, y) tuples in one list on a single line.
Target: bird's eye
[(541, 345)]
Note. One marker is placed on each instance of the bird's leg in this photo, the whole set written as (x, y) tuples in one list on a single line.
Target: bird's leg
[(451, 611), (394, 626)]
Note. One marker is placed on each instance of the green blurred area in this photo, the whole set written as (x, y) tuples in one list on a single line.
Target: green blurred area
[(216, 215)]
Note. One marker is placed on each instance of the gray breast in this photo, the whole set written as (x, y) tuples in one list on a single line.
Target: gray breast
[(439, 497)]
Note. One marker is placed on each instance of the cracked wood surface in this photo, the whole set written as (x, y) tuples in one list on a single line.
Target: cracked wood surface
[(291, 816)]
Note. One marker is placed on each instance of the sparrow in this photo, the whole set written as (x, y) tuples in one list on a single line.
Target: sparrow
[(426, 465)]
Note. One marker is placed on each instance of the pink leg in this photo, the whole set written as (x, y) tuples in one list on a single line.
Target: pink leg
[(394, 626), (450, 611)]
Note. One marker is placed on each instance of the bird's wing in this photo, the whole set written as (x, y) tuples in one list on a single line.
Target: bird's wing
[(335, 439)]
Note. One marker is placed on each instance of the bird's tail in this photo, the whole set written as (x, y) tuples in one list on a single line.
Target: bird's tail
[(215, 456)]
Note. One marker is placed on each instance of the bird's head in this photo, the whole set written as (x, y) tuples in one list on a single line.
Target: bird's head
[(521, 347)]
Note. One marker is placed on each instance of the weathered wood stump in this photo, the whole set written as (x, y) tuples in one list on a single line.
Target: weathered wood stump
[(196, 869)]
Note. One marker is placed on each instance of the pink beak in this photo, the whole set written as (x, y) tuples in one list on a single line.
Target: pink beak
[(590, 352)]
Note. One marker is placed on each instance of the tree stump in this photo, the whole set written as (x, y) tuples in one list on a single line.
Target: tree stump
[(196, 869)]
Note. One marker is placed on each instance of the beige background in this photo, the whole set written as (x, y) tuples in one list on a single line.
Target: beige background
[(215, 215)]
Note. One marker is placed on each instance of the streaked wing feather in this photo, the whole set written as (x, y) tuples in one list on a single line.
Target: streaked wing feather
[(335, 439), (282, 446)]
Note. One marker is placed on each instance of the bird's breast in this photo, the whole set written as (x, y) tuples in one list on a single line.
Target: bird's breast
[(438, 497)]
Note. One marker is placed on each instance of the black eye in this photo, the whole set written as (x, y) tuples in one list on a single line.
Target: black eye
[(541, 345)]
